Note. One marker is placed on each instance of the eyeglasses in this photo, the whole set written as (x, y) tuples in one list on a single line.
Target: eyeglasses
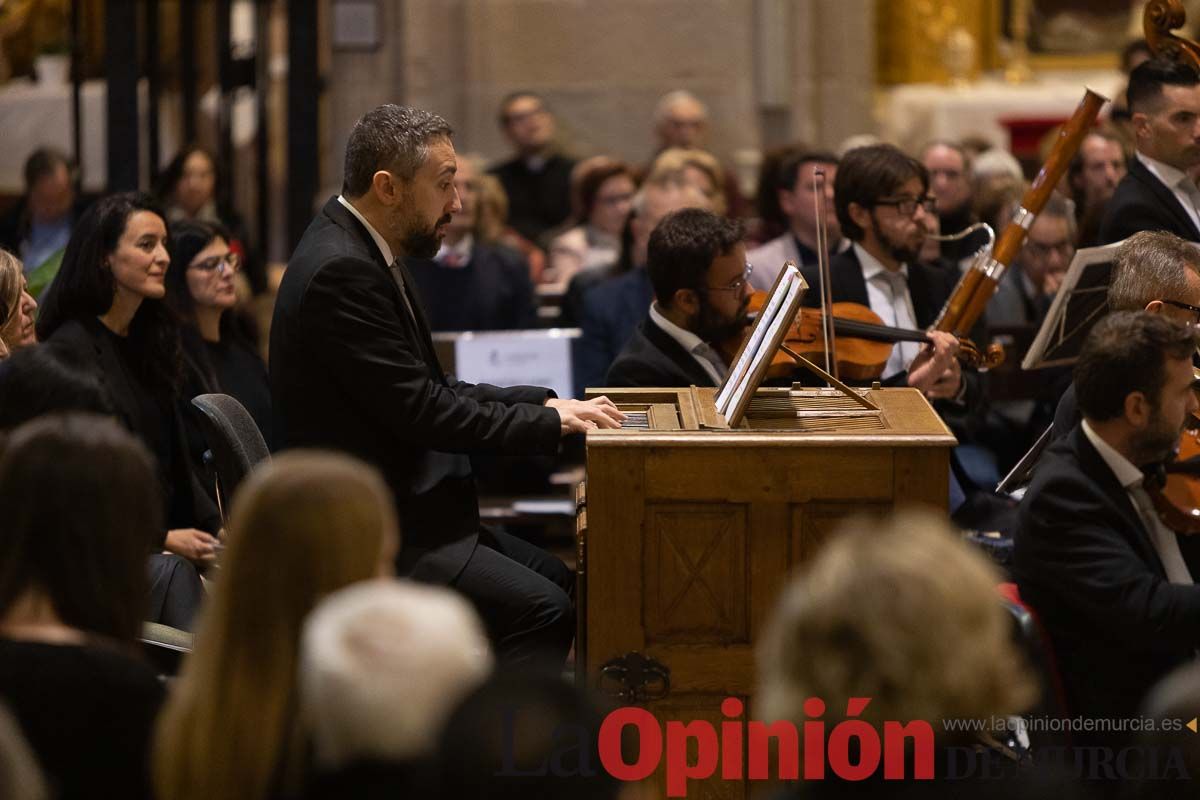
[(1186, 307), (230, 262), (737, 285), (1040, 250), (907, 206)]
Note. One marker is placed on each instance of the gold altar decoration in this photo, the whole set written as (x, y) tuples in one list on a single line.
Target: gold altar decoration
[(913, 37)]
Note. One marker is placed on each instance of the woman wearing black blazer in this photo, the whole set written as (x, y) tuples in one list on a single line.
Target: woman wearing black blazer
[(105, 309)]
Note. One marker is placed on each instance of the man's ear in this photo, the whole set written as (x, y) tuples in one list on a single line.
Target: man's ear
[(385, 187), (1141, 123), (686, 300), (1137, 409), (861, 216)]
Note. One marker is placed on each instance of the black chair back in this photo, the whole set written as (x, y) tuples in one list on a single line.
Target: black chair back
[(234, 440)]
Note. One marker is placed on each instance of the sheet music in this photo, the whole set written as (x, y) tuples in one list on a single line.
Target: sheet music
[(769, 333), (743, 368)]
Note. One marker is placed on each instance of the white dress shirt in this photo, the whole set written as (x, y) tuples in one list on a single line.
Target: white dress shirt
[(1165, 541), (703, 352), (382, 244), (1183, 187), (888, 296)]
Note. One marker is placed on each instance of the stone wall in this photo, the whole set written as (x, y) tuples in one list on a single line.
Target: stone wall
[(771, 71)]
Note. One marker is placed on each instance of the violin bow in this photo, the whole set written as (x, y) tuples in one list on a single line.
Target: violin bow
[(825, 287)]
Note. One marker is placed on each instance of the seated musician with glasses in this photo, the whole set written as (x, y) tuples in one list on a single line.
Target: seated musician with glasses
[(1154, 271), (697, 264), (884, 208), (218, 356)]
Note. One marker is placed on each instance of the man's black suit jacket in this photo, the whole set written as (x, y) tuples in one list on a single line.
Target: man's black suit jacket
[(353, 370), (1085, 562), (1142, 202), (653, 358)]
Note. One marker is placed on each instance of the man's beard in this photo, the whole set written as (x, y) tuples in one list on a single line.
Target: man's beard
[(712, 326), (901, 252), (1157, 442), (419, 240)]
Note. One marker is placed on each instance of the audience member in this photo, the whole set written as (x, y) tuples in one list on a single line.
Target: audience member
[(906, 614), (498, 742), (1169, 747), (106, 309), (605, 196), (697, 264), (44, 380), (473, 283), (382, 665), (1093, 176), (38, 228), (303, 526), (796, 198), (17, 306), (218, 356), (537, 179), (190, 188), (20, 776), (772, 221), (1112, 585), (950, 185), (80, 509), (1156, 272), (681, 121), (1157, 193), (612, 310), (696, 168), (492, 219)]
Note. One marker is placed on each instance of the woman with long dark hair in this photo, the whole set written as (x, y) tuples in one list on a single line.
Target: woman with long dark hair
[(200, 289), (80, 510), (105, 309), (190, 188)]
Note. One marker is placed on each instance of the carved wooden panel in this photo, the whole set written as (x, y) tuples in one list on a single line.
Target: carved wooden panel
[(695, 577), (813, 523)]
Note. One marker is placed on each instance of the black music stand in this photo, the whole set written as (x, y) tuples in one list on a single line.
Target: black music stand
[(1081, 301)]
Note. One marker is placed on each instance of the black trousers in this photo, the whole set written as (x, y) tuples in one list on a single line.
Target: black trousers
[(524, 596)]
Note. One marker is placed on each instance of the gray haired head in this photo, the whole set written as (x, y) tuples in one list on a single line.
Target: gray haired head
[(391, 137), (1151, 265)]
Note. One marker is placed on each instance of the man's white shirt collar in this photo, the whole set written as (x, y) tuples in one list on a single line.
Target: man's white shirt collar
[(872, 266), (689, 340), (1126, 472), (380, 242), (1170, 176)]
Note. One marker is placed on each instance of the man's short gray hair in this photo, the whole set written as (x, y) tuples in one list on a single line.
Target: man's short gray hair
[(382, 665), (391, 137), (1151, 265)]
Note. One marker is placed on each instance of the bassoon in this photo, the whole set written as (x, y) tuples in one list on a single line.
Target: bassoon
[(969, 299)]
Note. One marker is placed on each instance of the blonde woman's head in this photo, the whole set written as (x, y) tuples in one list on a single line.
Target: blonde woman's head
[(901, 611), (16, 306)]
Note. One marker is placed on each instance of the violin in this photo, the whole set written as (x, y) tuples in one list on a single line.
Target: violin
[(863, 343)]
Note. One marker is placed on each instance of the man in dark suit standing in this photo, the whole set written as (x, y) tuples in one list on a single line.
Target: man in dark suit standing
[(697, 263), (1158, 194), (1112, 584), (353, 368)]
